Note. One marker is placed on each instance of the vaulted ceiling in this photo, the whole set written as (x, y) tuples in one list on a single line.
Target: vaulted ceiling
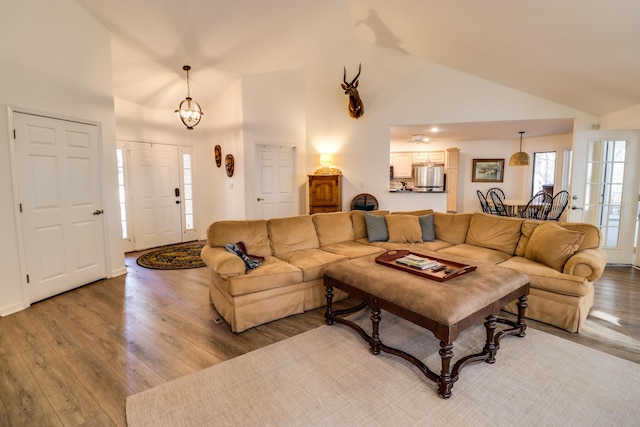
[(579, 53)]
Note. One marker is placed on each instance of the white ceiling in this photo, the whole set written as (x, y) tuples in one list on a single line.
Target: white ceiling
[(579, 53)]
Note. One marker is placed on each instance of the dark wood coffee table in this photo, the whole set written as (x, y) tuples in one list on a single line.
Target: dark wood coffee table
[(444, 308)]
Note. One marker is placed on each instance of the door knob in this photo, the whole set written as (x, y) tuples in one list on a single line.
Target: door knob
[(259, 199), (575, 208), (177, 202), (98, 212)]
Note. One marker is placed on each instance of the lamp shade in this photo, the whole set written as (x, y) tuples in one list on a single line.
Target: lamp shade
[(325, 159), (520, 158)]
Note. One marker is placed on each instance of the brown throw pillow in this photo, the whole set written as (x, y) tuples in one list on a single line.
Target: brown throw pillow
[(553, 245), (404, 228)]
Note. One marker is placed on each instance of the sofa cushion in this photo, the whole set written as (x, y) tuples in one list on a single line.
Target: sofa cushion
[(549, 279), (292, 234), (419, 212), (252, 232), (272, 273), (426, 222), (592, 234), (525, 234), (476, 253), (334, 227), (376, 227), (312, 262), (359, 224), (352, 249), (451, 228), (423, 247), (553, 245), (494, 232), (404, 228)]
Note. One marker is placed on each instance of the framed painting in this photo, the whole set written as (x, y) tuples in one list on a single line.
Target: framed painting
[(487, 170)]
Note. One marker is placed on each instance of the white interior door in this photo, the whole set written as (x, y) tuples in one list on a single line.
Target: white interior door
[(60, 203), (604, 188), (155, 184), (275, 181)]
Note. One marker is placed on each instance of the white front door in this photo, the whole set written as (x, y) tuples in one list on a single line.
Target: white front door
[(275, 181), (60, 198), (604, 188), (155, 186)]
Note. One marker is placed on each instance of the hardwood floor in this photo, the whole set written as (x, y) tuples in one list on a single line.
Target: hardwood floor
[(71, 360)]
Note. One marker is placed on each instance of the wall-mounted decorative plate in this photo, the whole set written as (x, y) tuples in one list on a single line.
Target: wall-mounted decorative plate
[(218, 154), (229, 164)]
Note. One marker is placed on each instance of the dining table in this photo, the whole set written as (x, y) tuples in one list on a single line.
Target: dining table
[(514, 206)]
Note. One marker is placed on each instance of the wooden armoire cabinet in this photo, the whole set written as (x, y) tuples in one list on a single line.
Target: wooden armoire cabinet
[(325, 193)]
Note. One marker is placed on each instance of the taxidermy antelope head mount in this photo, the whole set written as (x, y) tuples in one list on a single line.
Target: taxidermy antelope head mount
[(356, 109)]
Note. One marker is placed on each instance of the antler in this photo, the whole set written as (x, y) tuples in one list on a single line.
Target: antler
[(356, 109), (344, 77), (357, 75)]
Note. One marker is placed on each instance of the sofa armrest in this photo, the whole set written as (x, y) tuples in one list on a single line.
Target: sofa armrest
[(588, 263), (223, 262)]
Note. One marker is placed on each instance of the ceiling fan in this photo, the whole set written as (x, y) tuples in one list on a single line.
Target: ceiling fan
[(420, 138)]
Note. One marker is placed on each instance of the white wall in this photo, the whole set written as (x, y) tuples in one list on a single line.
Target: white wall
[(401, 90), (628, 118), (223, 123), (55, 59), (274, 113)]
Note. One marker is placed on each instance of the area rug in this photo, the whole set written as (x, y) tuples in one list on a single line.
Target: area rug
[(327, 377), (174, 257)]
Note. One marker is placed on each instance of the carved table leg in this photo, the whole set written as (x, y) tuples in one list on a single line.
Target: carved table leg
[(328, 315), (444, 381), (375, 324), (521, 324), (491, 348)]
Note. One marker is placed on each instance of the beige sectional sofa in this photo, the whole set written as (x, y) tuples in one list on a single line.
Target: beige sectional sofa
[(562, 259)]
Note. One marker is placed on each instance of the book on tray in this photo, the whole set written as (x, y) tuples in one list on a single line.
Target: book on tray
[(417, 262)]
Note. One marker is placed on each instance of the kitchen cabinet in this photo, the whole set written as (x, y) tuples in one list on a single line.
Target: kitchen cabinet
[(325, 193), (401, 163), (453, 160), (428, 157), (422, 157), (436, 157)]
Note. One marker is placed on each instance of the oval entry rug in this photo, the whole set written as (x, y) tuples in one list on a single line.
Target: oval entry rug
[(174, 257)]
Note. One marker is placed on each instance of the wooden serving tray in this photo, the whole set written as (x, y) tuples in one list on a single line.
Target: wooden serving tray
[(389, 259)]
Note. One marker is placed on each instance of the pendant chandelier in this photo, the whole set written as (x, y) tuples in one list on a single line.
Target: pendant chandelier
[(189, 111), (520, 158)]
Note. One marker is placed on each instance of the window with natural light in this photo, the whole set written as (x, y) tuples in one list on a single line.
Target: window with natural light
[(544, 172), (188, 191), (121, 192)]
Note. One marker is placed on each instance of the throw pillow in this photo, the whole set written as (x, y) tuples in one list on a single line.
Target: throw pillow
[(404, 228), (376, 227), (428, 229), (553, 245), (240, 249)]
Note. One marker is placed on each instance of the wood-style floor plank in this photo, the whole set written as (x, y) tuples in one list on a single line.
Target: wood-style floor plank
[(73, 359)]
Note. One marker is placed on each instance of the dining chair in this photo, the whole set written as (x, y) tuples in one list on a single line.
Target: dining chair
[(496, 190), (484, 204), (499, 207), (537, 207), (557, 206)]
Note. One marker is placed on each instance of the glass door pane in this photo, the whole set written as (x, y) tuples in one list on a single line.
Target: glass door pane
[(603, 196)]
